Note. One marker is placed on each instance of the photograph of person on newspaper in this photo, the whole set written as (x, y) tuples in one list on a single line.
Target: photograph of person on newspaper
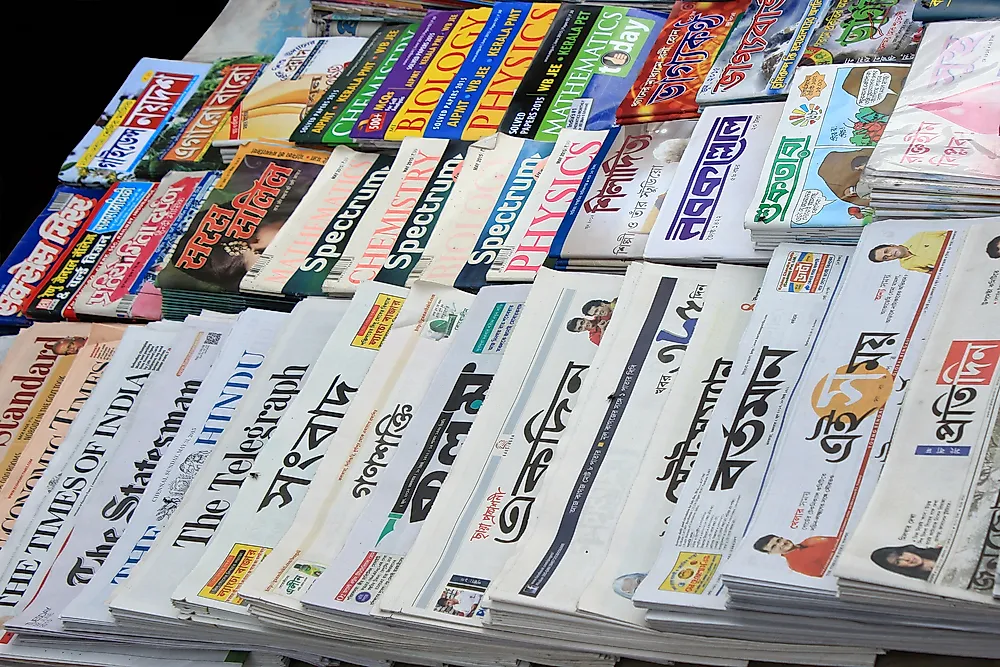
[(810, 557), (597, 314), (909, 561), (919, 253)]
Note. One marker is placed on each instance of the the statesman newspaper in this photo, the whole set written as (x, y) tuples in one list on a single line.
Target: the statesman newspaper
[(933, 525), (384, 532), (484, 511), (112, 504), (838, 428), (376, 233), (240, 399), (674, 446), (535, 226), (268, 501), (307, 223), (199, 347), (715, 503), (653, 324), (316, 535), (48, 519), (44, 431)]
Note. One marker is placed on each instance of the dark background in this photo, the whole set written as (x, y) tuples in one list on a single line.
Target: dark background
[(66, 61)]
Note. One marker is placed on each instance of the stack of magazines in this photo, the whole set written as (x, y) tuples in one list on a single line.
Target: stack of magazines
[(941, 154)]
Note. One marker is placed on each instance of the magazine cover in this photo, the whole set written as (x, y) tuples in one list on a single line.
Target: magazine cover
[(795, 299), (622, 193), (304, 227), (955, 10), (859, 31), (350, 471), (244, 390), (407, 252), (490, 163), (832, 120), (376, 233), (42, 250), (426, 39), (415, 110), (111, 150), (484, 511), (186, 143), (34, 368), (111, 504), (527, 245), (367, 61), (119, 207), (63, 404), (400, 505), (629, 552), (701, 219), (682, 55), (242, 215), (34, 543), (931, 526), (121, 285), (309, 276), (477, 97), (860, 370), (287, 87), (654, 323), (584, 69), (527, 176), (944, 125), (762, 51), (267, 504)]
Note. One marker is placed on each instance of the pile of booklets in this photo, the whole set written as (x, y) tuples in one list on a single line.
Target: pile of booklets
[(441, 333)]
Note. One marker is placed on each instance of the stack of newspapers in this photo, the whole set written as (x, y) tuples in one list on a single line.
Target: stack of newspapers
[(770, 516), (941, 151)]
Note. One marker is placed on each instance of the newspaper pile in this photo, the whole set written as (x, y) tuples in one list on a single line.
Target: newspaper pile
[(940, 151)]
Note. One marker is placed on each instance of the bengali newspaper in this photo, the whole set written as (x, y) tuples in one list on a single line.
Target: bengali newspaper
[(933, 523), (715, 503), (486, 509), (384, 532), (838, 428), (268, 502)]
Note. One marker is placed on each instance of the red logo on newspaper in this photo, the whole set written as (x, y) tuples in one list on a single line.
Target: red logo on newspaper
[(970, 362)]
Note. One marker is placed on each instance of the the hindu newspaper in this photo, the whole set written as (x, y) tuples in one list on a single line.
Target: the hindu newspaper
[(585, 491), (48, 518), (715, 503), (220, 447), (199, 347), (45, 430), (485, 510), (404, 387), (365, 254), (838, 427), (111, 504), (384, 532), (281, 579), (266, 505), (528, 240), (305, 225), (674, 446), (933, 523), (488, 165)]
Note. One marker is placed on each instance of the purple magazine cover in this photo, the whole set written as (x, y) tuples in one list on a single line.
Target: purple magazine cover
[(403, 78)]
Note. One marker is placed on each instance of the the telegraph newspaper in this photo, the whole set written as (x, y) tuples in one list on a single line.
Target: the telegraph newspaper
[(715, 503)]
